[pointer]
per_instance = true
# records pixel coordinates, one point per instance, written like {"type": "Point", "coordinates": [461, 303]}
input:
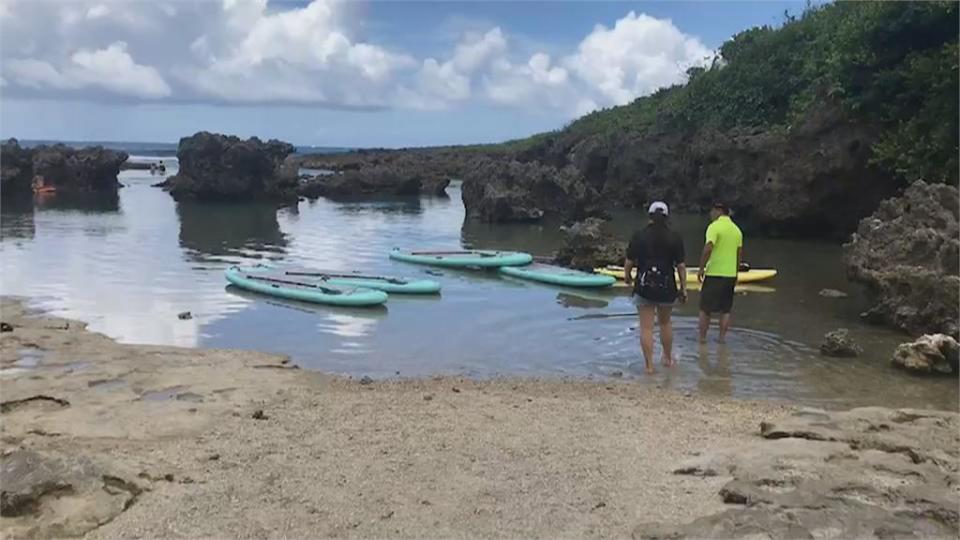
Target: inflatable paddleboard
{"type": "Point", "coordinates": [471, 258]}
{"type": "Point", "coordinates": [558, 275]}
{"type": "Point", "coordinates": [272, 282]}
{"type": "Point", "coordinates": [750, 276]}
{"type": "Point", "coordinates": [388, 284]}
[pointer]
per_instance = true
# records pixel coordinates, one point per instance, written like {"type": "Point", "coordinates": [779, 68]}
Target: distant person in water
{"type": "Point", "coordinates": [161, 167]}
{"type": "Point", "coordinates": [657, 254]}
{"type": "Point", "coordinates": [719, 263]}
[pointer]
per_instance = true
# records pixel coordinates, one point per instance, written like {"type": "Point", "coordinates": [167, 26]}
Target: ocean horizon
{"type": "Point", "coordinates": [157, 149]}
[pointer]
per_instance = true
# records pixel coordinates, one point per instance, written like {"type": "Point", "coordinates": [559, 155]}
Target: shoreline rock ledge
{"type": "Point", "coordinates": [870, 472]}
{"type": "Point", "coordinates": [908, 255]}
{"type": "Point", "coordinates": [225, 167]}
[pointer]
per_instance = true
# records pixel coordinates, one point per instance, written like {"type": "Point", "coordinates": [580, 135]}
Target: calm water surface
{"type": "Point", "coordinates": [128, 265]}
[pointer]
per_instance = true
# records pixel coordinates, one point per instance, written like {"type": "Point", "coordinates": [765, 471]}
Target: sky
{"type": "Point", "coordinates": [344, 73]}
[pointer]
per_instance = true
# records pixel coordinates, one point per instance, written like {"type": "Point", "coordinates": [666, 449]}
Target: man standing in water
{"type": "Point", "coordinates": [719, 264]}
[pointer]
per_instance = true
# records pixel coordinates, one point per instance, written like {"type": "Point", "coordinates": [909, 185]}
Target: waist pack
{"type": "Point", "coordinates": [656, 283]}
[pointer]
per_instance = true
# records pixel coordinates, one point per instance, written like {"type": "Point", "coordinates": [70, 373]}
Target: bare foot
{"type": "Point", "coordinates": [668, 362]}
{"type": "Point", "coordinates": [721, 340]}
{"type": "Point", "coordinates": [650, 370]}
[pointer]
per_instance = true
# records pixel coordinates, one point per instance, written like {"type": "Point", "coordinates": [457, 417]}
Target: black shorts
{"type": "Point", "coordinates": [716, 294]}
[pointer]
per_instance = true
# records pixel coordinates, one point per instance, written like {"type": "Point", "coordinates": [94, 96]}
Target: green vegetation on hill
{"type": "Point", "coordinates": [894, 64]}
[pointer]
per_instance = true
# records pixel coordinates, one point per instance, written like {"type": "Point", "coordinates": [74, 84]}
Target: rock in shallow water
{"type": "Point", "coordinates": [92, 168]}
{"type": "Point", "coordinates": [495, 190]}
{"type": "Point", "coordinates": [833, 293]}
{"type": "Point", "coordinates": [222, 167]}
{"type": "Point", "coordinates": [586, 246]}
{"type": "Point", "coordinates": [930, 354]}
{"type": "Point", "coordinates": [839, 344]}
{"type": "Point", "coordinates": [908, 255]}
{"type": "Point", "coordinates": [377, 180]}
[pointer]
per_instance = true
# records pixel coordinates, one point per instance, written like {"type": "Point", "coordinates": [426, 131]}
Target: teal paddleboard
{"type": "Point", "coordinates": [388, 284]}
{"type": "Point", "coordinates": [269, 281]}
{"type": "Point", "coordinates": [558, 275]}
{"type": "Point", "coordinates": [472, 258]}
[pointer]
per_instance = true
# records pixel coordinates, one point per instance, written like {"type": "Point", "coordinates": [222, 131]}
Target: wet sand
{"type": "Point", "coordinates": [329, 456]}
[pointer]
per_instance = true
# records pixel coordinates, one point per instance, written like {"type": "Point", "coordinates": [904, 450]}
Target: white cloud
{"type": "Point", "coordinates": [443, 81]}
{"type": "Point", "coordinates": [98, 11]}
{"type": "Point", "coordinates": [37, 74]}
{"type": "Point", "coordinates": [475, 52]}
{"type": "Point", "coordinates": [536, 83]}
{"type": "Point", "coordinates": [637, 56]}
{"type": "Point", "coordinates": [69, 16]}
{"type": "Point", "coordinates": [439, 84]}
{"type": "Point", "coordinates": [114, 69]}
{"type": "Point", "coordinates": [300, 55]}
{"type": "Point", "coordinates": [111, 68]}
{"type": "Point", "coordinates": [255, 51]}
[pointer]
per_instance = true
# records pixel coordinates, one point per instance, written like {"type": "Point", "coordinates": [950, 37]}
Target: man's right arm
{"type": "Point", "coordinates": [704, 259]}
{"type": "Point", "coordinates": [711, 239]}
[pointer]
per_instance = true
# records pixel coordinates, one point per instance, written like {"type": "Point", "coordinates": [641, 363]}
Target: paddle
{"type": "Point", "coordinates": [325, 290]}
{"type": "Point", "coordinates": [394, 281]}
{"type": "Point", "coordinates": [480, 253]}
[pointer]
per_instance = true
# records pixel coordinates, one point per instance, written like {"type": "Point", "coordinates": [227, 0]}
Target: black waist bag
{"type": "Point", "coordinates": [657, 284]}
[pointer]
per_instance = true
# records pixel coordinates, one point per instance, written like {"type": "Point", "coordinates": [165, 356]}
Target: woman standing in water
{"type": "Point", "coordinates": [657, 253]}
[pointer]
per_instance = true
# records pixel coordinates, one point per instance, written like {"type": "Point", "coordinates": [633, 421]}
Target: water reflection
{"type": "Point", "coordinates": [212, 232]}
{"type": "Point", "coordinates": [379, 205]}
{"type": "Point", "coordinates": [88, 203]}
{"type": "Point", "coordinates": [16, 219]}
{"type": "Point", "coordinates": [539, 239]}
{"type": "Point", "coordinates": [582, 300]}
{"type": "Point", "coordinates": [716, 378]}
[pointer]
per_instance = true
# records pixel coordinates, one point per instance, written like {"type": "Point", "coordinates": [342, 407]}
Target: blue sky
{"type": "Point", "coordinates": [332, 73]}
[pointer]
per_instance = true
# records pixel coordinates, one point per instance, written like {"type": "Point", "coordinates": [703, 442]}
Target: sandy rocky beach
{"type": "Point", "coordinates": [106, 440]}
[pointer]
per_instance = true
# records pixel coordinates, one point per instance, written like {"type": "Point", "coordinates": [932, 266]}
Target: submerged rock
{"type": "Point", "coordinates": [222, 167]}
{"type": "Point", "coordinates": [907, 254]}
{"type": "Point", "coordinates": [93, 168]}
{"type": "Point", "coordinates": [869, 472]}
{"type": "Point", "coordinates": [586, 246]}
{"type": "Point", "coordinates": [511, 191]}
{"type": "Point", "coordinates": [832, 293]}
{"type": "Point", "coordinates": [930, 354]}
{"type": "Point", "coordinates": [839, 344]}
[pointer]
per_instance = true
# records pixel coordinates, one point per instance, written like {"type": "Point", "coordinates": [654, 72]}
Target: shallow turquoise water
{"type": "Point", "coordinates": [129, 265]}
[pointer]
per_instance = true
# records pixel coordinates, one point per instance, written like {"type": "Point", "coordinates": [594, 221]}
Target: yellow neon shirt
{"type": "Point", "coordinates": [727, 239]}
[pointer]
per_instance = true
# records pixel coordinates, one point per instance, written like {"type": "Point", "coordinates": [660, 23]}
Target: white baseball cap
{"type": "Point", "coordinates": [659, 206]}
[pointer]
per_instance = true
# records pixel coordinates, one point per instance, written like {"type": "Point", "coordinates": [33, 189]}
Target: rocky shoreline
{"type": "Point", "coordinates": [905, 253]}
{"type": "Point", "coordinates": [59, 167]}
{"type": "Point", "coordinates": [109, 440]}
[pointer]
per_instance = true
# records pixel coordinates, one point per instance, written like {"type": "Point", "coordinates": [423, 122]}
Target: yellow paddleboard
{"type": "Point", "coordinates": [694, 285]}
{"type": "Point", "coordinates": [750, 276]}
